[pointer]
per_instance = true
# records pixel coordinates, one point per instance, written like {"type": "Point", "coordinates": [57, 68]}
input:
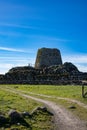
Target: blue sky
{"type": "Point", "coordinates": [26, 25]}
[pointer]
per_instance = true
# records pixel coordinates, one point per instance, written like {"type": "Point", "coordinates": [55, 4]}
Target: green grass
{"type": "Point", "coordinates": [67, 91]}
{"type": "Point", "coordinates": [10, 101]}
{"type": "Point", "coordinates": [13, 101]}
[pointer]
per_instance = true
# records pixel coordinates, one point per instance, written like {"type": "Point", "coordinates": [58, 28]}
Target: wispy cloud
{"type": "Point", "coordinates": [9, 62]}
{"type": "Point", "coordinates": [17, 50]}
{"type": "Point", "coordinates": [11, 49]}
{"type": "Point", "coordinates": [76, 58]}
{"type": "Point", "coordinates": [4, 67]}
{"type": "Point", "coordinates": [38, 38]}
{"type": "Point", "coordinates": [42, 37]}
{"type": "Point", "coordinates": [49, 38]}
{"type": "Point", "coordinates": [8, 8]}
{"type": "Point", "coordinates": [18, 26]}
{"type": "Point", "coordinates": [17, 59]}
{"type": "Point", "coordinates": [11, 34]}
{"type": "Point", "coordinates": [79, 60]}
{"type": "Point", "coordinates": [82, 67]}
{"type": "Point", "coordinates": [55, 39]}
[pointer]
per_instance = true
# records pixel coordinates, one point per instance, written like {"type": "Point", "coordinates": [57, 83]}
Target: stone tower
{"type": "Point", "coordinates": [47, 57]}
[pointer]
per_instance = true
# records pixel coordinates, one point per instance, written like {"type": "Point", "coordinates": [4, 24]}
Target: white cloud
{"type": "Point", "coordinates": [79, 60]}
{"type": "Point", "coordinates": [40, 37]}
{"type": "Point", "coordinates": [4, 67]}
{"type": "Point", "coordinates": [17, 50]}
{"type": "Point", "coordinates": [49, 38]}
{"type": "Point", "coordinates": [11, 49]}
{"type": "Point", "coordinates": [83, 68]}
{"type": "Point", "coordinates": [76, 58]}
{"type": "Point", "coordinates": [10, 62]}
{"type": "Point", "coordinates": [18, 26]}
{"type": "Point", "coordinates": [16, 58]}
{"type": "Point", "coordinates": [7, 62]}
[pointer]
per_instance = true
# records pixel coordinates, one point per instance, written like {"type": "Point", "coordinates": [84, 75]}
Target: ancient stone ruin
{"type": "Point", "coordinates": [48, 70]}
{"type": "Point", "coordinates": [47, 57]}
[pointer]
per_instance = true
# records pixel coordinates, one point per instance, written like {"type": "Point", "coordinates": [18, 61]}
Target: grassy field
{"type": "Point", "coordinates": [9, 101]}
{"type": "Point", "coordinates": [68, 91]}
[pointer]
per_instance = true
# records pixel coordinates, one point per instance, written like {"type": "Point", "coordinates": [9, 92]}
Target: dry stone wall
{"type": "Point", "coordinates": [47, 57]}
{"type": "Point", "coordinates": [48, 70]}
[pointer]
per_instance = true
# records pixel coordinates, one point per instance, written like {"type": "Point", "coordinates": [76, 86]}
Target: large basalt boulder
{"type": "Point", "coordinates": [70, 67]}
{"type": "Point", "coordinates": [15, 117]}
{"type": "Point", "coordinates": [3, 120]}
{"type": "Point", "coordinates": [47, 57]}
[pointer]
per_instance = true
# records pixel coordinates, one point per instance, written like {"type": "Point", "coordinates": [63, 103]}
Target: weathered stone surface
{"type": "Point", "coordinates": [47, 57]}
{"type": "Point", "coordinates": [72, 107]}
{"type": "Point", "coordinates": [15, 116]}
{"type": "Point", "coordinates": [26, 114]}
{"type": "Point", "coordinates": [3, 120]}
{"type": "Point", "coordinates": [70, 67]}
{"type": "Point", "coordinates": [48, 70]}
{"type": "Point", "coordinates": [43, 109]}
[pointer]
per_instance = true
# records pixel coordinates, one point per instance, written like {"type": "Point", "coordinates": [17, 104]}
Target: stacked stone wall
{"type": "Point", "coordinates": [47, 57]}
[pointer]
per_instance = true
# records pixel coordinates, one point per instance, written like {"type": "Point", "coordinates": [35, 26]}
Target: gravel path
{"type": "Point", "coordinates": [64, 120]}
{"type": "Point", "coordinates": [61, 98]}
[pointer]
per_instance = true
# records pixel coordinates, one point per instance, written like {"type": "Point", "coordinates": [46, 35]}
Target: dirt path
{"type": "Point", "coordinates": [61, 98]}
{"type": "Point", "coordinates": [64, 120]}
